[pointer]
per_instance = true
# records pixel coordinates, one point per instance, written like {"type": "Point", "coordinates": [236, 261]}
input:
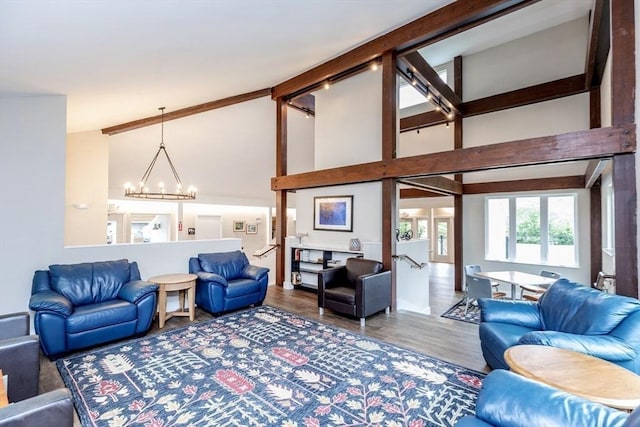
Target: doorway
{"type": "Point", "coordinates": [443, 240]}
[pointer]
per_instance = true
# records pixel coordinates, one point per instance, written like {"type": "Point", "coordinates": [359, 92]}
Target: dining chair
{"type": "Point", "coordinates": [539, 289]}
{"type": "Point", "coordinates": [480, 287]}
{"type": "Point", "coordinates": [471, 270]}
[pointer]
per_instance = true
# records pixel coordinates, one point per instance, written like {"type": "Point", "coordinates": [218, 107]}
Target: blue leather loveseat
{"type": "Point", "coordinates": [226, 281]}
{"type": "Point", "coordinates": [81, 305]}
{"type": "Point", "coordinates": [568, 315]}
{"type": "Point", "coordinates": [508, 399]}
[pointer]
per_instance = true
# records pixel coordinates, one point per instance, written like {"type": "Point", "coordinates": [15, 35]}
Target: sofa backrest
{"type": "Point", "coordinates": [578, 309]}
{"type": "Point", "coordinates": [90, 282]}
{"type": "Point", "coordinates": [227, 264]}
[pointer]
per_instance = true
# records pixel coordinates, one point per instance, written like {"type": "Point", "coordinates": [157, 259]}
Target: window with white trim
{"type": "Point", "coordinates": [532, 229]}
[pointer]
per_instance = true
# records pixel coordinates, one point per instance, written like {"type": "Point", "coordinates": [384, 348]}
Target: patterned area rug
{"type": "Point", "coordinates": [457, 312]}
{"type": "Point", "coordinates": [265, 367]}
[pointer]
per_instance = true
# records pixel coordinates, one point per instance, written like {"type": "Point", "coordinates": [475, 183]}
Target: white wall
{"type": "Point", "coordinates": [541, 57]}
{"type": "Point", "coordinates": [32, 135]}
{"type": "Point", "coordinates": [348, 119]}
{"type": "Point", "coordinates": [367, 214]}
{"type": "Point", "coordinates": [86, 184]}
{"type": "Point", "coordinates": [347, 131]}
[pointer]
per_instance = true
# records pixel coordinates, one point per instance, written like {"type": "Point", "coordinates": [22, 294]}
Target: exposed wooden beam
{"type": "Point", "coordinates": [305, 103]}
{"type": "Point", "coordinates": [517, 98]}
{"type": "Point", "coordinates": [418, 121]}
{"type": "Point", "coordinates": [416, 193]}
{"type": "Point", "coordinates": [599, 43]}
{"type": "Point", "coordinates": [582, 145]}
{"type": "Point", "coordinates": [539, 184]}
{"type": "Point", "coordinates": [593, 172]}
{"type": "Point", "coordinates": [422, 69]}
{"type": "Point", "coordinates": [189, 111]}
{"type": "Point", "coordinates": [436, 184]}
{"type": "Point", "coordinates": [432, 25]}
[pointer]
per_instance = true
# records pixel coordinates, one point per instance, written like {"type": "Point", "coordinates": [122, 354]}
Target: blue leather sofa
{"type": "Point", "coordinates": [226, 281]}
{"type": "Point", "coordinates": [80, 305]}
{"type": "Point", "coordinates": [510, 400]}
{"type": "Point", "coordinates": [568, 315]}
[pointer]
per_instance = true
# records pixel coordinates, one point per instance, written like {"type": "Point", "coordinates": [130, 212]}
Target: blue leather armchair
{"type": "Point", "coordinates": [82, 305]}
{"type": "Point", "coordinates": [568, 315]}
{"type": "Point", "coordinates": [226, 281]}
{"type": "Point", "coordinates": [510, 400]}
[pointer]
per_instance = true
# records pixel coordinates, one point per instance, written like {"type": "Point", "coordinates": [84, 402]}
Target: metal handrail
{"type": "Point", "coordinates": [412, 262]}
{"type": "Point", "coordinates": [260, 253]}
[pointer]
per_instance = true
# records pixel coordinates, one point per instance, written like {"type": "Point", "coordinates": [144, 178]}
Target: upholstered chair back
{"type": "Point", "coordinates": [229, 265]}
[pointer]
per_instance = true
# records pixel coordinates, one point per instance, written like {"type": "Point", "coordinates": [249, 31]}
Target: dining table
{"type": "Point", "coordinates": [516, 278]}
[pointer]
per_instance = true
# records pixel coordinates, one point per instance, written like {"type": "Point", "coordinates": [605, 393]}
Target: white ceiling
{"type": "Point", "coordinates": [119, 60]}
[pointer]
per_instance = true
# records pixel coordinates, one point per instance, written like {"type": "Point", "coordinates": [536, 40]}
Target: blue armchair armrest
{"type": "Point", "coordinates": [522, 313]}
{"type": "Point", "coordinates": [508, 399]}
{"type": "Point", "coordinates": [254, 272]}
{"type": "Point", "coordinates": [136, 289]}
{"type": "Point", "coordinates": [51, 301]}
{"type": "Point", "coordinates": [213, 278]}
{"type": "Point", "coordinates": [605, 347]}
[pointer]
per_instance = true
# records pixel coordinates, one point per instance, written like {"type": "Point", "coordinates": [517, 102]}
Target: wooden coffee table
{"type": "Point", "coordinates": [577, 373]}
{"type": "Point", "coordinates": [183, 283]}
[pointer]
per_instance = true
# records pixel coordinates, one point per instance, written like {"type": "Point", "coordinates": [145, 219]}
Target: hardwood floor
{"type": "Point", "coordinates": [446, 339]}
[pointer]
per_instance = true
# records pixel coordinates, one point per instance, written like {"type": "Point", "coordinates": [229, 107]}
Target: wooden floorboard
{"type": "Point", "coordinates": [446, 339]}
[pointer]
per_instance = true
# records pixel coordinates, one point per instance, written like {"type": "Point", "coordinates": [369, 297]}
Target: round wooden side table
{"type": "Point", "coordinates": [577, 373]}
{"type": "Point", "coordinates": [182, 283]}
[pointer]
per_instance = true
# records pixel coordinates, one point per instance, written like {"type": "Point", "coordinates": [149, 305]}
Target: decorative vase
{"type": "Point", "coordinates": [354, 244]}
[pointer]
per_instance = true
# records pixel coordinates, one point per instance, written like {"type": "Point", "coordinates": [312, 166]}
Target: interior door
{"type": "Point", "coordinates": [208, 227]}
{"type": "Point", "coordinates": [443, 240]}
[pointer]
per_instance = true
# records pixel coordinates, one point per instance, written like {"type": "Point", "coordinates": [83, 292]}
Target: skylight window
{"type": "Point", "coordinates": [409, 96]}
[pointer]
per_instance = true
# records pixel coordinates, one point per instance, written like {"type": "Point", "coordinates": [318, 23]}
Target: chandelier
{"type": "Point", "coordinates": [143, 192]}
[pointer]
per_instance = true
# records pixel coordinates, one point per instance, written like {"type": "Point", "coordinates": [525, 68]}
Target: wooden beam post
{"type": "Point", "coordinates": [623, 80]}
{"type": "Point", "coordinates": [281, 195]}
{"type": "Point", "coordinates": [458, 199]}
{"type": "Point", "coordinates": [389, 147]}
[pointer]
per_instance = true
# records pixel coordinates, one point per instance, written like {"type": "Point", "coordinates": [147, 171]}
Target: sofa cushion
{"type": "Point", "coordinates": [89, 283]}
{"type": "Point", "coordinates": [94, 316]}
{"type": "Point", "coordinates": [227, 264]}
{"type": "Point", "coordinates": [577, 309]}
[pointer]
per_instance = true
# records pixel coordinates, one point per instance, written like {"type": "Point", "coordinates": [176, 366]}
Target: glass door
{"type": "Point", "coordinates": [443, 240]}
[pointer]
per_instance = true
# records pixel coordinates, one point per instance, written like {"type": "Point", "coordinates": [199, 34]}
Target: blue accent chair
{"type": "Point", "coordinates": [81, 305]}
{"type": "Point", "coordinates": [226, 281]}
{"type": "Point", "coordinates": [568, 315]}
{"type": "Point", "coordinates": [510, 400]}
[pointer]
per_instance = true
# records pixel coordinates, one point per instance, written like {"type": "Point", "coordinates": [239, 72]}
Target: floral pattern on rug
{"type": "Point", "coordinates": [457, 312]}
{"type": "Point", "coordinates": [266, 367]}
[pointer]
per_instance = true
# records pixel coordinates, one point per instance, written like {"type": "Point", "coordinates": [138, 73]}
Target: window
{"type": "Point", "coordinates": [409, 95]}
{"type": "Point", "coordinates": [532, 229]}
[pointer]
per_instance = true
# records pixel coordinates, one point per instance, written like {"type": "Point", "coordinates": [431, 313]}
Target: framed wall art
{"type": "Point", "coordinates": [238, 225]}
{"type": "Point", "coordinates": [252, 228]}
{"type": "Point", "coordinates": [333, 213]}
